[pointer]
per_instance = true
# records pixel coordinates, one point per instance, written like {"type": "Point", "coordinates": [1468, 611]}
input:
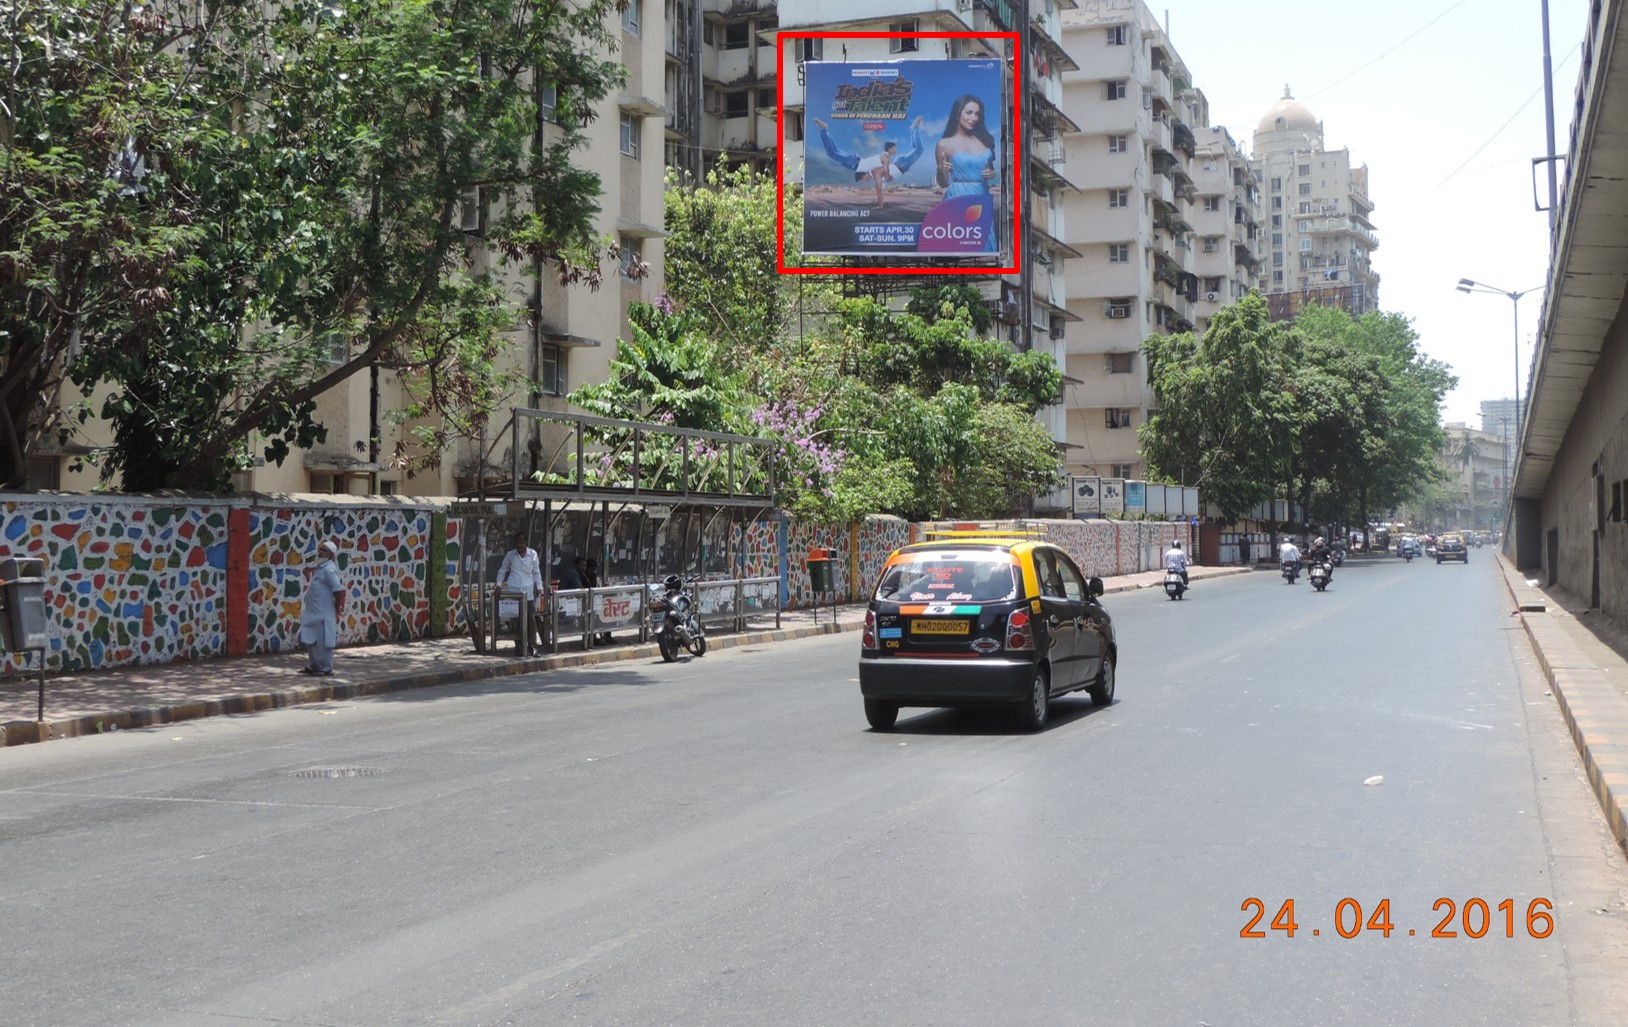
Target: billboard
{"type": "Point", "coordinates": [1087, 495]}
{"type": "Point", "coordinates": [1113, 495]}
{"type": "Point", "coordinates": [904, 157]}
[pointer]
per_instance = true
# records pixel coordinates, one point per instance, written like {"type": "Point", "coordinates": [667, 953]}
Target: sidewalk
{"type": "Point", "coordinates": [132, 697]}
{"type": "Point", "coordinates": [1585, 658]}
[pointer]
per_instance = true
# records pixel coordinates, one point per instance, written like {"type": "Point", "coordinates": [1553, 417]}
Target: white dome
{"type": "Point", "coordinates": [1288, 115]}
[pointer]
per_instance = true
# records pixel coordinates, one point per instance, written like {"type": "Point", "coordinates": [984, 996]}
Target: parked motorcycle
{"type": "Point", "coordinates": [1320, 573]}
{"type": "Point", "coordinates": [679, 631]}
{"type": "Point", "coordinates": [1290, 571]}
{"type": "Point", "coordinates": [1173, 585]}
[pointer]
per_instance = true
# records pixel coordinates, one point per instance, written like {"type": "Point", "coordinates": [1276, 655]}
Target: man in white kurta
{"type": "Point", "coordinates": [319, 613]}
{"type": "Point", "coordinates": [522, 573]}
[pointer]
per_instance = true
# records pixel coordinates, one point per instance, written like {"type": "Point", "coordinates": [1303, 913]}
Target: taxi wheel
{"type": "Point", "coordinates": [1102, 693]}
{"type": "Point", "coordinates": [881, 715]}
{"type": "Point", "coordinates": [1032, 711]}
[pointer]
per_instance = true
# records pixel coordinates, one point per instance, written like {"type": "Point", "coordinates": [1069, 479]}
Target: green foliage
{"type": "Point", "coordinates": [300, 219]}
{"type": "Point", "coordinates": [1347, 408]}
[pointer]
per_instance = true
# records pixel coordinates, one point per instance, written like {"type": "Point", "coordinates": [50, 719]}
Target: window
{"type": "Point", "coordinates": [1212, 285]}
{"type": "Point", "coordinates": [1114, 89]}
{"type": "Point", "coordinates": [1277, 261]}
{"type": "Point", "coordinates": [737, 37]}
{"type": "Point", "coordinates": [1277, 185]}
{"type": "Point", "coordinates": [904, 45]}
{"type": "Point", "coordinates": [1119, 417]}
{"type": "Point", "coordinates": [551, 371]}
{"type": "Point", "coordinates": [1277, 277]}
{"type": "Point", "coordinates": [1212, 203]}
{"type": "Point", "coordinates": [1120, 471]}
{"type": "Point", "coordinates": [548, 97]}
{"type": "Point", "coordinates": [1616, 511]}
{"type": "Point", "coordinates": [1277, 220]}
{"type": "Point", "coordinates": [735, 105]}
{"type": "Point", "coordinates": [1277, 238]}
{"type": "Point", "coordinates": [631, 123]}
{"type": "Point", "coordinates": [630, 259]}
{"type": "Point", "coordinates": [1277, 203]}
{"type": "Point", "coordinates": [630, 18]}
{"type": "Point", "coordinates": [794, 125]}
{"type": "Point", "coordinates": [1305, 188]}
{"type": "Point", "coordinates": [1121, 363]}
{"type": "Point", "coordinates": [1119, 144]}
{"type": "Point", "coordinates": [469, 210]}
{"type": "Point", "coordinates": [1117, 35]}
{"type": "Point", "coordinates": [706, 33]}
{"type": "Point", "coordinates": [1212, 244]}
{"type": "Point", "coordinates": [810, 49]}
{"type": "Point", "coordinates": [1305, 244]}
{"type": "Point", "coordinates": [1119, 198]}
{"type": "Point", "coordinates": [1304, 169]}
{"type": "Point", "coordinates": [765, 99]}
{"type": "Point", "coordinates": [1119, 253]}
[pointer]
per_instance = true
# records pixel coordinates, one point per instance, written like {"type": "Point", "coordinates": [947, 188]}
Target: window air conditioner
{"type": "Point", "coordinates": [963, 5]}
{"type": "Point", "coordinates": [1117, 310]}
{"type": "Point", "coordinates": [1057, 330]}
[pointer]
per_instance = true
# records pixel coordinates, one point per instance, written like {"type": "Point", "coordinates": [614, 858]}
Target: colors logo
{"type": "Point", "coordinates": [965, 224]}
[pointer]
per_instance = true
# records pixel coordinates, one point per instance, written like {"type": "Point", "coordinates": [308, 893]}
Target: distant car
{"type": "Point", "coordinates": [1452, 547]}
{"type": "Point", "coordinates": [997, 621]}
{"type": "Point", "coordinates": [1407, 545]}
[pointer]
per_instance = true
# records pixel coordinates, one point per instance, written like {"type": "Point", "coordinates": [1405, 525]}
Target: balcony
{"type": "Point", "coordinates": [1340, 226]}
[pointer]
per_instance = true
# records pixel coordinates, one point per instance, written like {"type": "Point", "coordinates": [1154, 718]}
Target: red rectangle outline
{"type": "Point", "coordinates": [780, 155]}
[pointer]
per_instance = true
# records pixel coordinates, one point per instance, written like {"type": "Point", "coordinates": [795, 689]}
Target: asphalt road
{"type": "Point", "coordinates": [723, 841]}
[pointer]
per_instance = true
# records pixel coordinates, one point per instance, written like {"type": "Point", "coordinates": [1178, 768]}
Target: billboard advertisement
{"type": "Point", "coordinates": [903, 157]}
{"type": "Point", "coordinates": [1087, 495]}
{"type": "Point", "coordinates": [1113, 495]}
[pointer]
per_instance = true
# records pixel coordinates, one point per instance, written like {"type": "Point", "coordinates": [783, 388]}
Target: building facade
{"type": "Point", "coordinates": [1320, 236]}
{"type": "Point", "coordinates": [1166, 217]}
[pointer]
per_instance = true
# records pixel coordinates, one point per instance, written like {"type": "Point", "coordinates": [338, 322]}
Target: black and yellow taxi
{"type": "Point", "coordinates": [984, 619]}
{"type": "Point", "coordinates": [1452, 546]}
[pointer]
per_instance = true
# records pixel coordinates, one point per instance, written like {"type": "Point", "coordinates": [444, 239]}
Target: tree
{"type": "Point", "coordinates": [311, 170]}
{"type": "Point", "coordinates": [1225, 407]}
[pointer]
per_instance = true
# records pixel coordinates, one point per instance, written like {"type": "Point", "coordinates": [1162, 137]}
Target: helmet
{"type": "Point", "coordinates": [1176, 544]}
{"type": "Point", "coordinates": [673, 583]}
{"type": "Point", "coordinates": [1320, 541]}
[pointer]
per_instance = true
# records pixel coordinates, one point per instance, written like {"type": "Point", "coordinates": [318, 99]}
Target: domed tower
{"type": "Point", "coordinates": [1288, 126]}
{"type": "Point", "coordinates": [1319, 236]}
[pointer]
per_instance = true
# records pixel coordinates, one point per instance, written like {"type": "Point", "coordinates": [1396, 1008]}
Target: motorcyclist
{"type": "Point", "coordinates": [1322, 552]}
{"type": "Point", "coordinates": [1176, 560]}
{"type": "Point", "coordinates": [1289, 553]}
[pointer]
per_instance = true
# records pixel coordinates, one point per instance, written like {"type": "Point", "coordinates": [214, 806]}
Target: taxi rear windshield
{"type": "Point", "coordinates": [948, 577]}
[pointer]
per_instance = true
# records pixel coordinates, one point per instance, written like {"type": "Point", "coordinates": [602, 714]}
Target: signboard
{"type": "Point", "coordinates": [478, 510]}
{"type": "Point", "coordinates": [1113, 495]}
{"type": "Point", "coordinates": [1087, 494]}
{"type": "Point", "coordinates": [1136, 495]}
{"type": "Point", "coordinates": [903, 157]}
{"type": "Point", "coordinates": [617, 607]}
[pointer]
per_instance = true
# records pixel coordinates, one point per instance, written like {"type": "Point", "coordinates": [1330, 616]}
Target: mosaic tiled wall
{"type": "Point", "coordinates": [139, 581]}
{"type": "Point", "coordinates": [126, 583]}
{"type": "Point", "coordinates": [383, 559]}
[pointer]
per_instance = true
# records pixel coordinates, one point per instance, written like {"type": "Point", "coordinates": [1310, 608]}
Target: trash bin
{"type": "Point", "coordinates": [820, 576]}
{"type": "Point", "coordinates": [22, 593]}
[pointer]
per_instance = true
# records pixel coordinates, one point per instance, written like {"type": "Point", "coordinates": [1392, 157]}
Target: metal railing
{"type": "Point", "coordinates": [599, 616]}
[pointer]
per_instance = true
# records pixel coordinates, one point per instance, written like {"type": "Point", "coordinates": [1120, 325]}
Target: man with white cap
{"type": "Point", "coordinates": [319, 613]}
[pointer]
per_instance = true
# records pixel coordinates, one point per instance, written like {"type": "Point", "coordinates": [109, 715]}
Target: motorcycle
{"type": "Point", "coordinates": [1173, 585]}
{"type": "Point", "coordinates": [1339, 557]}
{"type": "Point", "coordinates": [1320, 573]}
{"type": "Point", "coordinates": [679, 630]}
{"type": "Point", "coordinates": [1407, 555]}
{"type": "Point", "coordinates": [1290, 571]}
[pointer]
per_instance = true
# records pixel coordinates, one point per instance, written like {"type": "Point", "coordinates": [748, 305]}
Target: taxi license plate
{"type": "Point", "coordinates": [939, 627]}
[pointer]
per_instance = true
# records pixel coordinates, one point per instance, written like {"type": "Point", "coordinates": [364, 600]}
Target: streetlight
{"type": "Point", "coordinates": [1467, 285]}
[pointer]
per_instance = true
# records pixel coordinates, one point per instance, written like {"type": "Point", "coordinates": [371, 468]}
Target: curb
{"type": "Point", "coordinates": [23, 732]}
{"type": "Point", "coordinates": [1593, 708]}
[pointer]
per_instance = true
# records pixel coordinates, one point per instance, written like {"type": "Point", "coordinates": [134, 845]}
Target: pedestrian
{"type": "Point", "coordinates": [319, 612]}
{"type": "Point", "coordinates": [521, 573]}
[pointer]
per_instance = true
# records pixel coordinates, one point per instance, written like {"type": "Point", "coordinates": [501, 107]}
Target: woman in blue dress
{"type": "Point", "coordinates": [879, 168]}
{"type": "Point", "coordinates": [966, 152]}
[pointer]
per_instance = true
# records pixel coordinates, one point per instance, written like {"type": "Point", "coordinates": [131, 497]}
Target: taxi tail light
{"type": "Point", "coordinates": [867, 640]}
{"type": "Point", "coordinates": [1019, 632]}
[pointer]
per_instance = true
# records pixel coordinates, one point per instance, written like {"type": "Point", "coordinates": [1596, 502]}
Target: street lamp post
{"type": "Point", "coordinates": [1468, 285]}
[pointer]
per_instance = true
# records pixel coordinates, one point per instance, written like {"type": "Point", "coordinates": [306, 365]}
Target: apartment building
{"type": "Point", "coordinates": [565, 336]}
{"type": "Point", "coordinates": [721, 90]}
{"type": "Point", "coordinates": [1031, 308]}
{"type": "Point", "coordinates": [1165, 217]}
{"type": "Point", "coordinates": [1320, 237]}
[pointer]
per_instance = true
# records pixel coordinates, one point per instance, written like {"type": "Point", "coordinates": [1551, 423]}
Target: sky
{"type": "Point", "coordinates": [1443, 101]}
